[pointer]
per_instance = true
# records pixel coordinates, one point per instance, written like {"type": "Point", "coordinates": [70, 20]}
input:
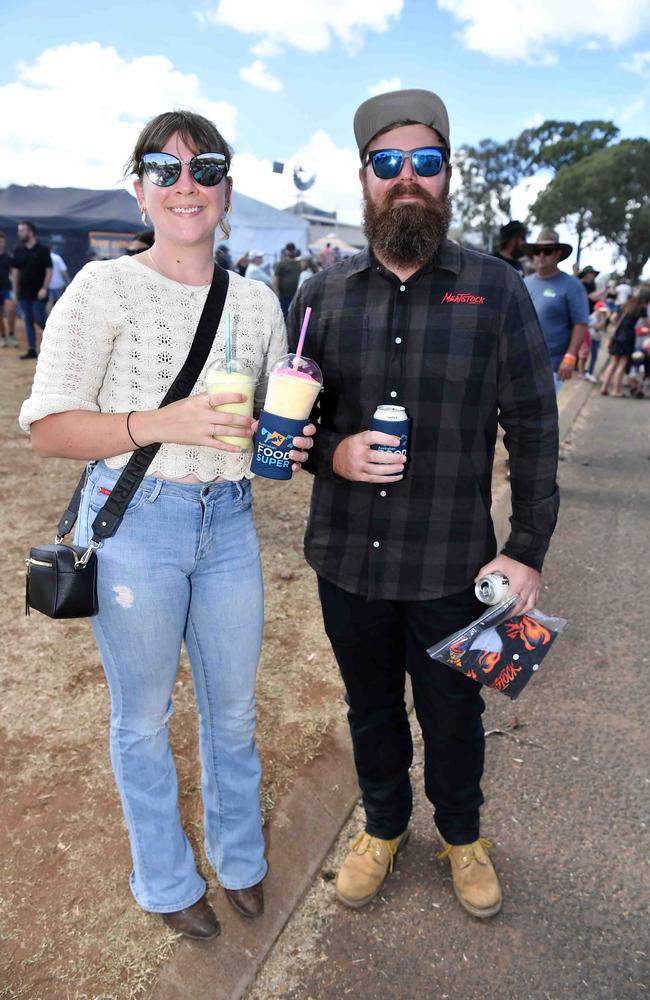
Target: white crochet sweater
{"type": "Point", "coordinates": [120, 334]}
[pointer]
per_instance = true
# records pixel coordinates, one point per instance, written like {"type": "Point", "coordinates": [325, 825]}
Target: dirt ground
{"type": "Point", "coordinates": [71, 930]}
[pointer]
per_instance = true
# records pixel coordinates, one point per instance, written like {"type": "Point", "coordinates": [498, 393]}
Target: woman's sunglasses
{"type": "Point", "coordinates": [164, 169]}
{"type": "Point", "coordinates": [427, 161]}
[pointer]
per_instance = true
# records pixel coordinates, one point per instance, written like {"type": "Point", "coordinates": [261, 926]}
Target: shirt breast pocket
{"type": "Point", "coordinates": [461, 352]}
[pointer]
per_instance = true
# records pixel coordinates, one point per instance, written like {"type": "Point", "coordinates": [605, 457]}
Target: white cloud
{"type": "Point", "coordinates": [258, 75]}
{"type": "Point", "coordinates": [531, 31]}
{"type": "Point", "coordinates": [308, 26]}
{"type": "Point", "coordinates": [534, 120]}
{"type": "Point", "coordinates": [639, 63]}
{"type": "Point", "coordinates": [72, 116]}
{"type": "Point", "coordinates": [266, 49]}
{"type": "Point", "coordinates": [385, 86]}
{"type": "Point", "coordinates": [336, 187]}
{"type": "Point", "coordinates": [592, 46]}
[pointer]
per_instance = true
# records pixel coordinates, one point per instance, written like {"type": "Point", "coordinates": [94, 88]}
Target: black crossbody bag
{"type": "Point", "coordinates": [62, 579]}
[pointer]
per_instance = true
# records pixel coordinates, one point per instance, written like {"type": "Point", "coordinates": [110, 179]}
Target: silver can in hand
{"type": "Point", "coordinates": [492, 589]}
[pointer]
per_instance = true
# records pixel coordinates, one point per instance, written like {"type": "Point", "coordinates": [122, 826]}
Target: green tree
{"type": "Point", "coordinates": [608, 193]}
{"type": "Point", "coordinates": [553, 144]}
{"type": "Point", "coordinates": [487, 176]}
{"type": "Point", "coordinates": [489, 171]}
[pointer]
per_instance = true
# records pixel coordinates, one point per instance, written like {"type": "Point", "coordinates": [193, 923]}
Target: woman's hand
{"type": "Point", "coordinates": [194, 421]}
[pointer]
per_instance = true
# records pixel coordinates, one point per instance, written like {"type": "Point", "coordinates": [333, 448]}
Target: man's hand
{"type": "Point", "coordinates": [42, 294]}
{"type": "Point", "coordinates": [565, 371]}
{"type": "Point", "coordinates": [523, 581]}
{"type": "Point", "coordinates": [354, 459]}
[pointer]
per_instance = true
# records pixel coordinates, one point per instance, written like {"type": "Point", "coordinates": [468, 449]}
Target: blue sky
{"type": "Point", "coordinates": [282, 79]}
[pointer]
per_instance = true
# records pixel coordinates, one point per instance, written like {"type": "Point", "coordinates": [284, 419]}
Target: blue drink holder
{"type": "Point", "coordinates": [272, 444]}
{"type": "Point", "coordinates": [398, 428]}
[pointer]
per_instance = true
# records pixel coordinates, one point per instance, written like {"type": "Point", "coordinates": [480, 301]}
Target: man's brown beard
{"type": "Point", "coordinates": [408, 233]}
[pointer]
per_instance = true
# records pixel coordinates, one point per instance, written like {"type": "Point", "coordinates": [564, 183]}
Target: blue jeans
{"type": "Point", "coordinates": [595, 348]}
{"type": "Point", "coordinates": [183, 565]}
{"type": "Point", "coordinates": [33, 311]}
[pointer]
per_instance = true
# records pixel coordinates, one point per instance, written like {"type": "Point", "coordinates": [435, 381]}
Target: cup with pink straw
{"type": "Point", "coordinates": [294, 384]}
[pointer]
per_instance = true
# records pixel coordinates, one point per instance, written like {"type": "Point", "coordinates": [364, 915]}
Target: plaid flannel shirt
{"type": "Point", "coordinates": [459, 346]}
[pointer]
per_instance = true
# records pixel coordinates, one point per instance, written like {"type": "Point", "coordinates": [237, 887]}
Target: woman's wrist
{"type": "Point", "coordinates": [141, 428]}
{"type": "Point", "coordinates": [569, 359]}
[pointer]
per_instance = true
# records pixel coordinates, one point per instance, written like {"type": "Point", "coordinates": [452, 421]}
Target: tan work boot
{"type": "Point", "coordinates": [365, 868]}
{"type": "Point", "coordinates": [475, 881]}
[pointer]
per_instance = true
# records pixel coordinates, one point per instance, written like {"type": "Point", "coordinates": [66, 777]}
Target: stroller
{"type": "Point", "coordinates": [638, 377]}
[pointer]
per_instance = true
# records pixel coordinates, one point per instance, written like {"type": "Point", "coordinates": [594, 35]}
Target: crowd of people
{"type": "Point", "coordinates": [578, 316]}
{"type": "Point", "coordinates": [452, 337]}
{"type": "Point", "coordinates": [32, 279]}
{"type": "Point", "coordinates": [290, 271]}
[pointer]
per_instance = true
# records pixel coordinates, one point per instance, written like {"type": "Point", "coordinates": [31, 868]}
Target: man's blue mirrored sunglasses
{"type": "Point", "coordinates": [426, 161]}
{"type": "Point", "coordinates": [164, 169]}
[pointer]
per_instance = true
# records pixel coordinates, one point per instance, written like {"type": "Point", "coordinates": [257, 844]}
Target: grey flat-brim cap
{"type": "Point", "coordinates": [421, 107]}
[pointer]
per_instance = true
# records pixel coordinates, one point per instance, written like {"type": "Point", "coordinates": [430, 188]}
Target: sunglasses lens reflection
{"type": "Point", "coordinates": [162, 169]}
{"type": "Point", "coordinates": [208, 168]}
{"type": "Point", "coordinates": [427, 162]}
{"type": "Point", "coordinates": [387, 163]}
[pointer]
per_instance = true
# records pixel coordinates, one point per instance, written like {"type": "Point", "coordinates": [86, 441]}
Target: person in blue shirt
{"type": "Point", "coordinates": [560, 302]}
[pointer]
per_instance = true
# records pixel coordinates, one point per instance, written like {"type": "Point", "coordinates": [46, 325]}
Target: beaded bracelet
{"type": "Point", "coordinates": [128, 429]}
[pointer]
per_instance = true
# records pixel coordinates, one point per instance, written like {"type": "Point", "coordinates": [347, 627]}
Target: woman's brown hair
{"type": "Point", "coordinates": [196, 132]}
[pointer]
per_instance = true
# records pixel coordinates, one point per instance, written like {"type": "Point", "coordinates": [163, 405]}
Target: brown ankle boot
{"type": "Point", "coordinates": [248, 902]}
{"type": "Point", "coordinates": [198, 921]}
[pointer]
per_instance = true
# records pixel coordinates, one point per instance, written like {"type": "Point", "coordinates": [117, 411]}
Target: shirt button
{"type": "Point", "coordinates": [375, 545]}
{"type": "Point", "coordinates": [398, 340]}
{"type": "Point", "coordinates": [393, 394]}
{"type": "Point", "coordinates": [382, 493]}
{"type": "Point", "coordinates": [402, 288]}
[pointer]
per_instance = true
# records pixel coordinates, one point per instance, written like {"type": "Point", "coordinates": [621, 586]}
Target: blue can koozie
{"type": "Point", "coordinates": [272, 444]}
{"type": "Point", "coordinates": [393, 420]}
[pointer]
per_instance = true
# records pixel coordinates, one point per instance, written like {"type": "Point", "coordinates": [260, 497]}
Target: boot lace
{"type": "Point", "coordinates": [363, 842]}
{"type": "Point", "coordinates": [470, 849]}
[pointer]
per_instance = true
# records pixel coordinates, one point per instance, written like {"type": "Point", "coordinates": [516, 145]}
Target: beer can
{"type": "Point", "coordinates": [391, 419]}
{"type": "Point", "coordinates": [492, 589]}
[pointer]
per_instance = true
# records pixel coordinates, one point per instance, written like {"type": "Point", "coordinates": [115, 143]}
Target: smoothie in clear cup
{"type": "Point", "coordinates": [294, 384]}
{"type": "Point", "coordinates": [238, 379]}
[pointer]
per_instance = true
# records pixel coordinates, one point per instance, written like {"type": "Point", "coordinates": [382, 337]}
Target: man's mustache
{"type": "Point", "coordinates": [412, 190]}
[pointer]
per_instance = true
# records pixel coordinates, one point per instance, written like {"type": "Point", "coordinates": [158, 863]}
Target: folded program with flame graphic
{"type": "Point", "coordinates": [499, 651]}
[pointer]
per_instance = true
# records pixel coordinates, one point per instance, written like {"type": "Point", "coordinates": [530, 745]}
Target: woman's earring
{"type": "Point", "coordinates": [143, 214]}
{"type": "Point", "coordinates": [224, 225]}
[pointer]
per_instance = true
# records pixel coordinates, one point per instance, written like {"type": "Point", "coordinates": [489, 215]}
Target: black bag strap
{"type": "Point", "coordinates": [109, 517]}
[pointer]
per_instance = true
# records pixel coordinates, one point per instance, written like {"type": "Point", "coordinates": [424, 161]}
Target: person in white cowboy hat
{"type": "Point", "coordinates": [560, 301]}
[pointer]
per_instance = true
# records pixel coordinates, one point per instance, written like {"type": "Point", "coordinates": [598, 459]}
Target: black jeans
{"type": "Point", "coordinates": [375, 643]}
